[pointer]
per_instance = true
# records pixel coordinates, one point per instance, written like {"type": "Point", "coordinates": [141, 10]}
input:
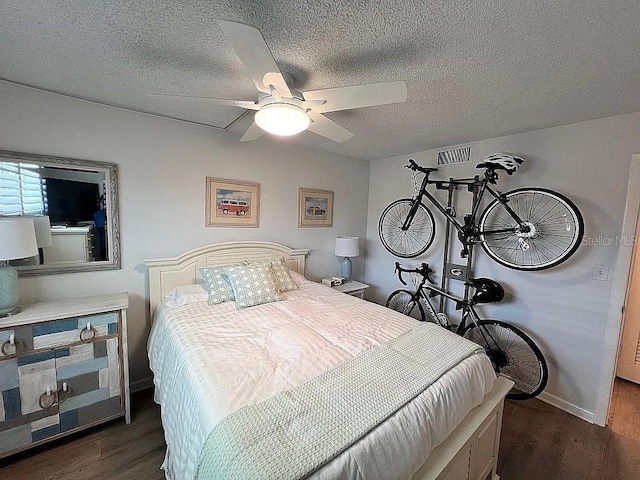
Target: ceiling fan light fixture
{"type": "Point", "coordinates": [282, 119]}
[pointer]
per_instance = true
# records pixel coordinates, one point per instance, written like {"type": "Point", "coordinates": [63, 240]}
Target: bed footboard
{"type": "Point", "coordinates": [471, 451]}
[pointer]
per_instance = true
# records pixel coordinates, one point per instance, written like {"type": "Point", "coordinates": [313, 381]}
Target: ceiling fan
{"type": "Point", "coordinates": [280, 109]}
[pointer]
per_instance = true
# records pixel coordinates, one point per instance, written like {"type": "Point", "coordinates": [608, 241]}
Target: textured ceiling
{"type": "Point", "coordinates": [474, 69]}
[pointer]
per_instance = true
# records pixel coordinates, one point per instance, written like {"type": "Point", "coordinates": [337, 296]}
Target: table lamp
{"type": "Point", "coordinates": [347, 247]}
{"type": "Point", "coordinates": [17, 240]}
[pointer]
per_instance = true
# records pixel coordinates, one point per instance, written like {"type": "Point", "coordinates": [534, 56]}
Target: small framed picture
{"type": "Point", "coordinates": [315, 208]}
{"type": "Point", "coordinates": [232, 203]}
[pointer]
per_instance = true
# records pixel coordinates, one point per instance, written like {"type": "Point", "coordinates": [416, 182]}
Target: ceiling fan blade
{"type": "Point", "coordinates": [358, 96]}
{"type": "Point", "coordinates": [252, 50]}
{"type": "Point", "coordinates": [254, 132]}
{"type": "Point", "coordinates": [249, 105]}
{"type": "Point", "coordinates": [312, 104]}
{"type": "Point", "coordinates": [321, 125]}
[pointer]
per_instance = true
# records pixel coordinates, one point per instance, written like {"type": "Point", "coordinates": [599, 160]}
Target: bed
{"type": "Point", "coordinates": [209, 363]}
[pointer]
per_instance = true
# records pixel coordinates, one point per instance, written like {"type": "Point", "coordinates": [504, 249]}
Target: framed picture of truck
{"type": "Point", "coordinates": [315, 207]}
{"type": "Point", "coordinates": [232, 203]}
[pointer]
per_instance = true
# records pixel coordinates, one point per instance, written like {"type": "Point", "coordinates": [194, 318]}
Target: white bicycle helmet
{"type": "Point", "coordinates": [502, 161]}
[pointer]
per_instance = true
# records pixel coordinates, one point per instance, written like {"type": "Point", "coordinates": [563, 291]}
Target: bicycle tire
{"type": "Point", "coordinates": [557, 229]}
{"type": "Point", "coordinates": [402, 301]}
{"type": "Point", "coordinates": [514, 355]}
{"type": "Point", "coordinates": [411, 242]}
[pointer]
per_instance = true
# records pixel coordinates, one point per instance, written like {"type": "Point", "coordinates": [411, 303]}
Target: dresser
{"type": "Point", "coordinates": [70, 244]}
{"type": "Point", "coordinates": [63, 368]}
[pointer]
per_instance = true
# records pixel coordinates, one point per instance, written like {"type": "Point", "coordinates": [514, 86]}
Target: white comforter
{"type": "Point", "coordinates": [209, 361]}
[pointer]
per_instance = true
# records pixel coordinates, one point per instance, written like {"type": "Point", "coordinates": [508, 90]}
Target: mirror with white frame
{"type": "Point", "coordinates": [75, 208]}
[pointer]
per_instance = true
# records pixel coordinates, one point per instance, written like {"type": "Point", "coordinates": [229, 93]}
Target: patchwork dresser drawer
{"type": "Point", "coordinates": [64, 374]}
{"type": "Point", "coordinates": [29, 338]}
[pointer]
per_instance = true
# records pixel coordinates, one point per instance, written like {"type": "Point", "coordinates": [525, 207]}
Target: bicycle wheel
{"type": "Point", "coordinates": [552, 232]}
{"type": "Point", "coordinates": [513, 354]}
{"type": "Point", "coordinates": [402, 301]}
{"type": "Point", "coordinates": [410, 242]}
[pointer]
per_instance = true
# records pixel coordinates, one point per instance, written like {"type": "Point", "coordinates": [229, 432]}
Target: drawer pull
{"type": "Point", "coordinates": [12, 344]}
{"type": "Point", "coordinates": [48, 399]}
{"type": "Point", "coordinates": [64, 393]}
{"type": "Point", "coordinates": [88, 333]}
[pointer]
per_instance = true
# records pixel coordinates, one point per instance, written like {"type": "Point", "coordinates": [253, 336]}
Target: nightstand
{"type": "Point", "coordinates": [353, 288]}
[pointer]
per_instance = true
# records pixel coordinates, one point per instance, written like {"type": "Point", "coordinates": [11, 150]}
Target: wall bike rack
{"type": "Point", "coordinates": [452, 270]}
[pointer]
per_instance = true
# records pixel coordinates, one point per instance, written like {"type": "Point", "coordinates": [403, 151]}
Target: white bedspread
{"type": "Point", "coordinates": [208, 361]}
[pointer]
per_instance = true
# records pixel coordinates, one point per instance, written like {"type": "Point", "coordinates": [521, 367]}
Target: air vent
{"type": "Point", "coordinates": [454, 155]}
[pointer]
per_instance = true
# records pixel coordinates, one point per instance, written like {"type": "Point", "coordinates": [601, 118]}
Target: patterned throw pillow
{"type": "Point", "coordinates": [282, 276]}
{"type": "Point", "coordinates": [219, 288]}
{"type": "Point", "coordinates": [252, 285]}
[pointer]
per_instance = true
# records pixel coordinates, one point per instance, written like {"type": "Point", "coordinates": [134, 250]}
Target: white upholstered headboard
{"type": "Point", "coordinates": [165, 274]}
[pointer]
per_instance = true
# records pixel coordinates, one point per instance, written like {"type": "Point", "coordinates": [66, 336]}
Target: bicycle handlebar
{"type": "Point", "coordinates": [414, 166]}
{"type": "Point", "coordinates": [422, 270]}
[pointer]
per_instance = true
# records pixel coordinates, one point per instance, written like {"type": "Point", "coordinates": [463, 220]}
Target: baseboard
{"type": "Point", "coordinates": [142, 384]}
{"type": "Point", "coordinates": [557, 402]}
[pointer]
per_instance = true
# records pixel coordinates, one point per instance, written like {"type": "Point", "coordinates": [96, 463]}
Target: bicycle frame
{"type": "Point", "coordinates": [468, 230]}
{"type": "Point", "coordinates": [465, 306]}
{"type": "Point", "coordinates": [468, 310]}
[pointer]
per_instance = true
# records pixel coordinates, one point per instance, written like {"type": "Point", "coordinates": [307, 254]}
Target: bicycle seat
{"type": "Point", "coordinates": [501, 161]}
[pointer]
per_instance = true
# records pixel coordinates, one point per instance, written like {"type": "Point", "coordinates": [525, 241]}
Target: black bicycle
{"type": "Point", "coordinates": [525, 229]}
{"type": "Point", "coordinates": [510, 350]}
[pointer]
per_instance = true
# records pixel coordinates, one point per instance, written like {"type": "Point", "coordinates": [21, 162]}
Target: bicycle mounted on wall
{"type": "Point", "coordinates": [524, 229]}
{"type": "Point", "coordinates": [511, 351]}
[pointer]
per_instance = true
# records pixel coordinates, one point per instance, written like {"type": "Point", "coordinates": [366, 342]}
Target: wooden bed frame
{"type": "Point", "coordinates": [469, 453]}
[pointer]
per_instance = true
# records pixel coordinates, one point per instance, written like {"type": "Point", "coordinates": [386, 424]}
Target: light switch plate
{"type": "Point", "coordinates": [601, 273]}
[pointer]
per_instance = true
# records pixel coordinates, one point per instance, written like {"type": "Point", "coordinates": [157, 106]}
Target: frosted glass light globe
{"type": "Point", "coordinates": [282, 119]}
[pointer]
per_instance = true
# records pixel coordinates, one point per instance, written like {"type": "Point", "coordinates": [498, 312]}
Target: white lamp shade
{"type": "Point", "coordinates": [17, 238]}
{"type": "Point", "coordinates": [43, 231]}
{"type": "Point", "coordinates": [347, 246]}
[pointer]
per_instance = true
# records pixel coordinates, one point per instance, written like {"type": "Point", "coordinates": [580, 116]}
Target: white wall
{"type": "Point", "coordinates": [563, 309]}
{"type": "Point", "coordinates": [162, 165]}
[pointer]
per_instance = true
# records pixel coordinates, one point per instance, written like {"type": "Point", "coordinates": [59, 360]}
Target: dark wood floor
{"type": "Point", "coordinates": [114, 451]}
{"type": "Point", "coordinates": [539, 442]}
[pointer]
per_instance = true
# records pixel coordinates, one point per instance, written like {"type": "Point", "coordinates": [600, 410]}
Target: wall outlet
{"type": "Point", "coordinates": [601, 273]}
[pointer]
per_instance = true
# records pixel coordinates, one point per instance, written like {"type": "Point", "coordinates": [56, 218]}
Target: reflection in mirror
{"type": "Point", "coordinates": [74, 205]}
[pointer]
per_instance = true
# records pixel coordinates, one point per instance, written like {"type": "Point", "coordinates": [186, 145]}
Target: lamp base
{"type": "Point", "coordinates": [12, 312]}
{"type": "Point", "coordinates": [8, 290]}
{"type": "Point", "coordinates": [345, 269]}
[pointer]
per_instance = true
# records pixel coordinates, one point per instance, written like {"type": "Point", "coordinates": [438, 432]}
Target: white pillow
{"type": "Point", "coordinates": [181, 296]}
{"type": "Point", "coordinates": [299, 279]}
